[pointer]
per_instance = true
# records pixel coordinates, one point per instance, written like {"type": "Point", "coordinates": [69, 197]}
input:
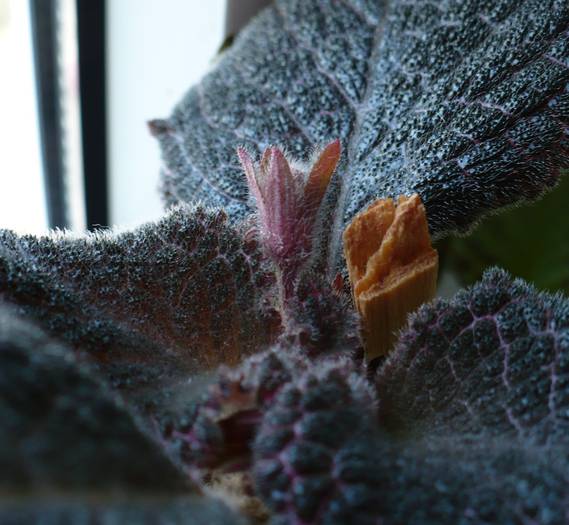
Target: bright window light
{"type": "Point", "coordinates": [22, 201]}
{"type": "Point", "coordinates": [156, 50]}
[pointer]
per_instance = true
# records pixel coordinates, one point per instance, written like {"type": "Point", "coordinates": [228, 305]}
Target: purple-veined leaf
{"type": "Point", "coordinates": [151, 306]}
{"type": "Point", "coordinates": [315, 449]}
{"type": "Point", "coordinates": [476, 399]}
{"type": "Point", "coordinates": [465, 102]}
{"type": "Point", "coordinates": [468, 423]}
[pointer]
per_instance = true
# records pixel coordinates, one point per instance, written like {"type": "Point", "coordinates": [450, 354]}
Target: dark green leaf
{"type": "Point", "coordinates": [150, 306]}
{"type": "Point", "coordinates": [476, 399]}
{"type": "Point", "coordinates": [464, 101]}
{"type": "Point", "coordinates": [70, 450]}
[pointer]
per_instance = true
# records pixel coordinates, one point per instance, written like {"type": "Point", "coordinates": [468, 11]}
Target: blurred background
{"type": "Point", "coordinates": [80, 79]}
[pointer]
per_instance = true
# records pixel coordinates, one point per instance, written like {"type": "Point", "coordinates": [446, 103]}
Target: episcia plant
{"type": "Point", "coordinates": [210, 367]}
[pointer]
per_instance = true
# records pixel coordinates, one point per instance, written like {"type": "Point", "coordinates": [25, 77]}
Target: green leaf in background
{"type": "Point", "coordinates": [531, 242]}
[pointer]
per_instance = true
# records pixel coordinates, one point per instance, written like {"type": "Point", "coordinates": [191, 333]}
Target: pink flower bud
{"type": "Point", "coordinates": [288, 195]}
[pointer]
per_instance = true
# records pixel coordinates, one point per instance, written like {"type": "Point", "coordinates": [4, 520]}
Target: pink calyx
{"type": "Point", "coordinates": [288, 196]}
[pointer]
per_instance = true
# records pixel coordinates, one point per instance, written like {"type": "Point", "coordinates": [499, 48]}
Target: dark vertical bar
{"type": "Point", "coordinates": [44, 41]}
{"type": "Point", "coordinates": [91, 33]}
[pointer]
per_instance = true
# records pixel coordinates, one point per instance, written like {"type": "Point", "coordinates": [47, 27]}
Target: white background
{"type": "Point", "coordinates": [22, 202]}
{"type": "Point", "coordinates": [157, 50]}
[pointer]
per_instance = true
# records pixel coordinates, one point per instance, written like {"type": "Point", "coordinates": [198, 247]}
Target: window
{"type": "Point", "coordinates": [22, 202]}
{"type": "Point", "coordinates": [80, 78]}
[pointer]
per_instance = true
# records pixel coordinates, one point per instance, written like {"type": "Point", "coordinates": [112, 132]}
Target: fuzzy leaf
{"type": "Point", "coordinates": [70, 451]}
{"type": "Point", "coordinates": [530, 242]}
{"type": "Point", "coordinates": [217, 430]}
{"type": "Point", "coordinates": [315, 446]}
{"type": "Point", "coordinates": [152, 305]}
{"type": "Point", "coordinates": [472, 425]}
{"type": "Point", "coordinates": [465, 102]}
{"type": "Point", "coordinates": [476, 396]}
{"type": "Point", "coordinates": [189, 510]}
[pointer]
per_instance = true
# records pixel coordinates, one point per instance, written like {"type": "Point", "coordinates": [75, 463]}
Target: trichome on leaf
{"type": "Point", "coordinates": [288, 196]}
{"type": "Point", "coordinates": [465, 103]}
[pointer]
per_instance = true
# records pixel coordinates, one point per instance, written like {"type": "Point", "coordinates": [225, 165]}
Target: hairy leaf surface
{"type": "Point", "coordinates": [464, 101]}
{"type": "Point", "coordinates": [476, 398]}
{"type": "Point", "coordinates": [473, 423]}
{"type": "Point", "coordinates": [70, 451]}
{"type": "Point", "coordinates": [530, 242]}
{"type": "Point", "coordinates": [152, 305]}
